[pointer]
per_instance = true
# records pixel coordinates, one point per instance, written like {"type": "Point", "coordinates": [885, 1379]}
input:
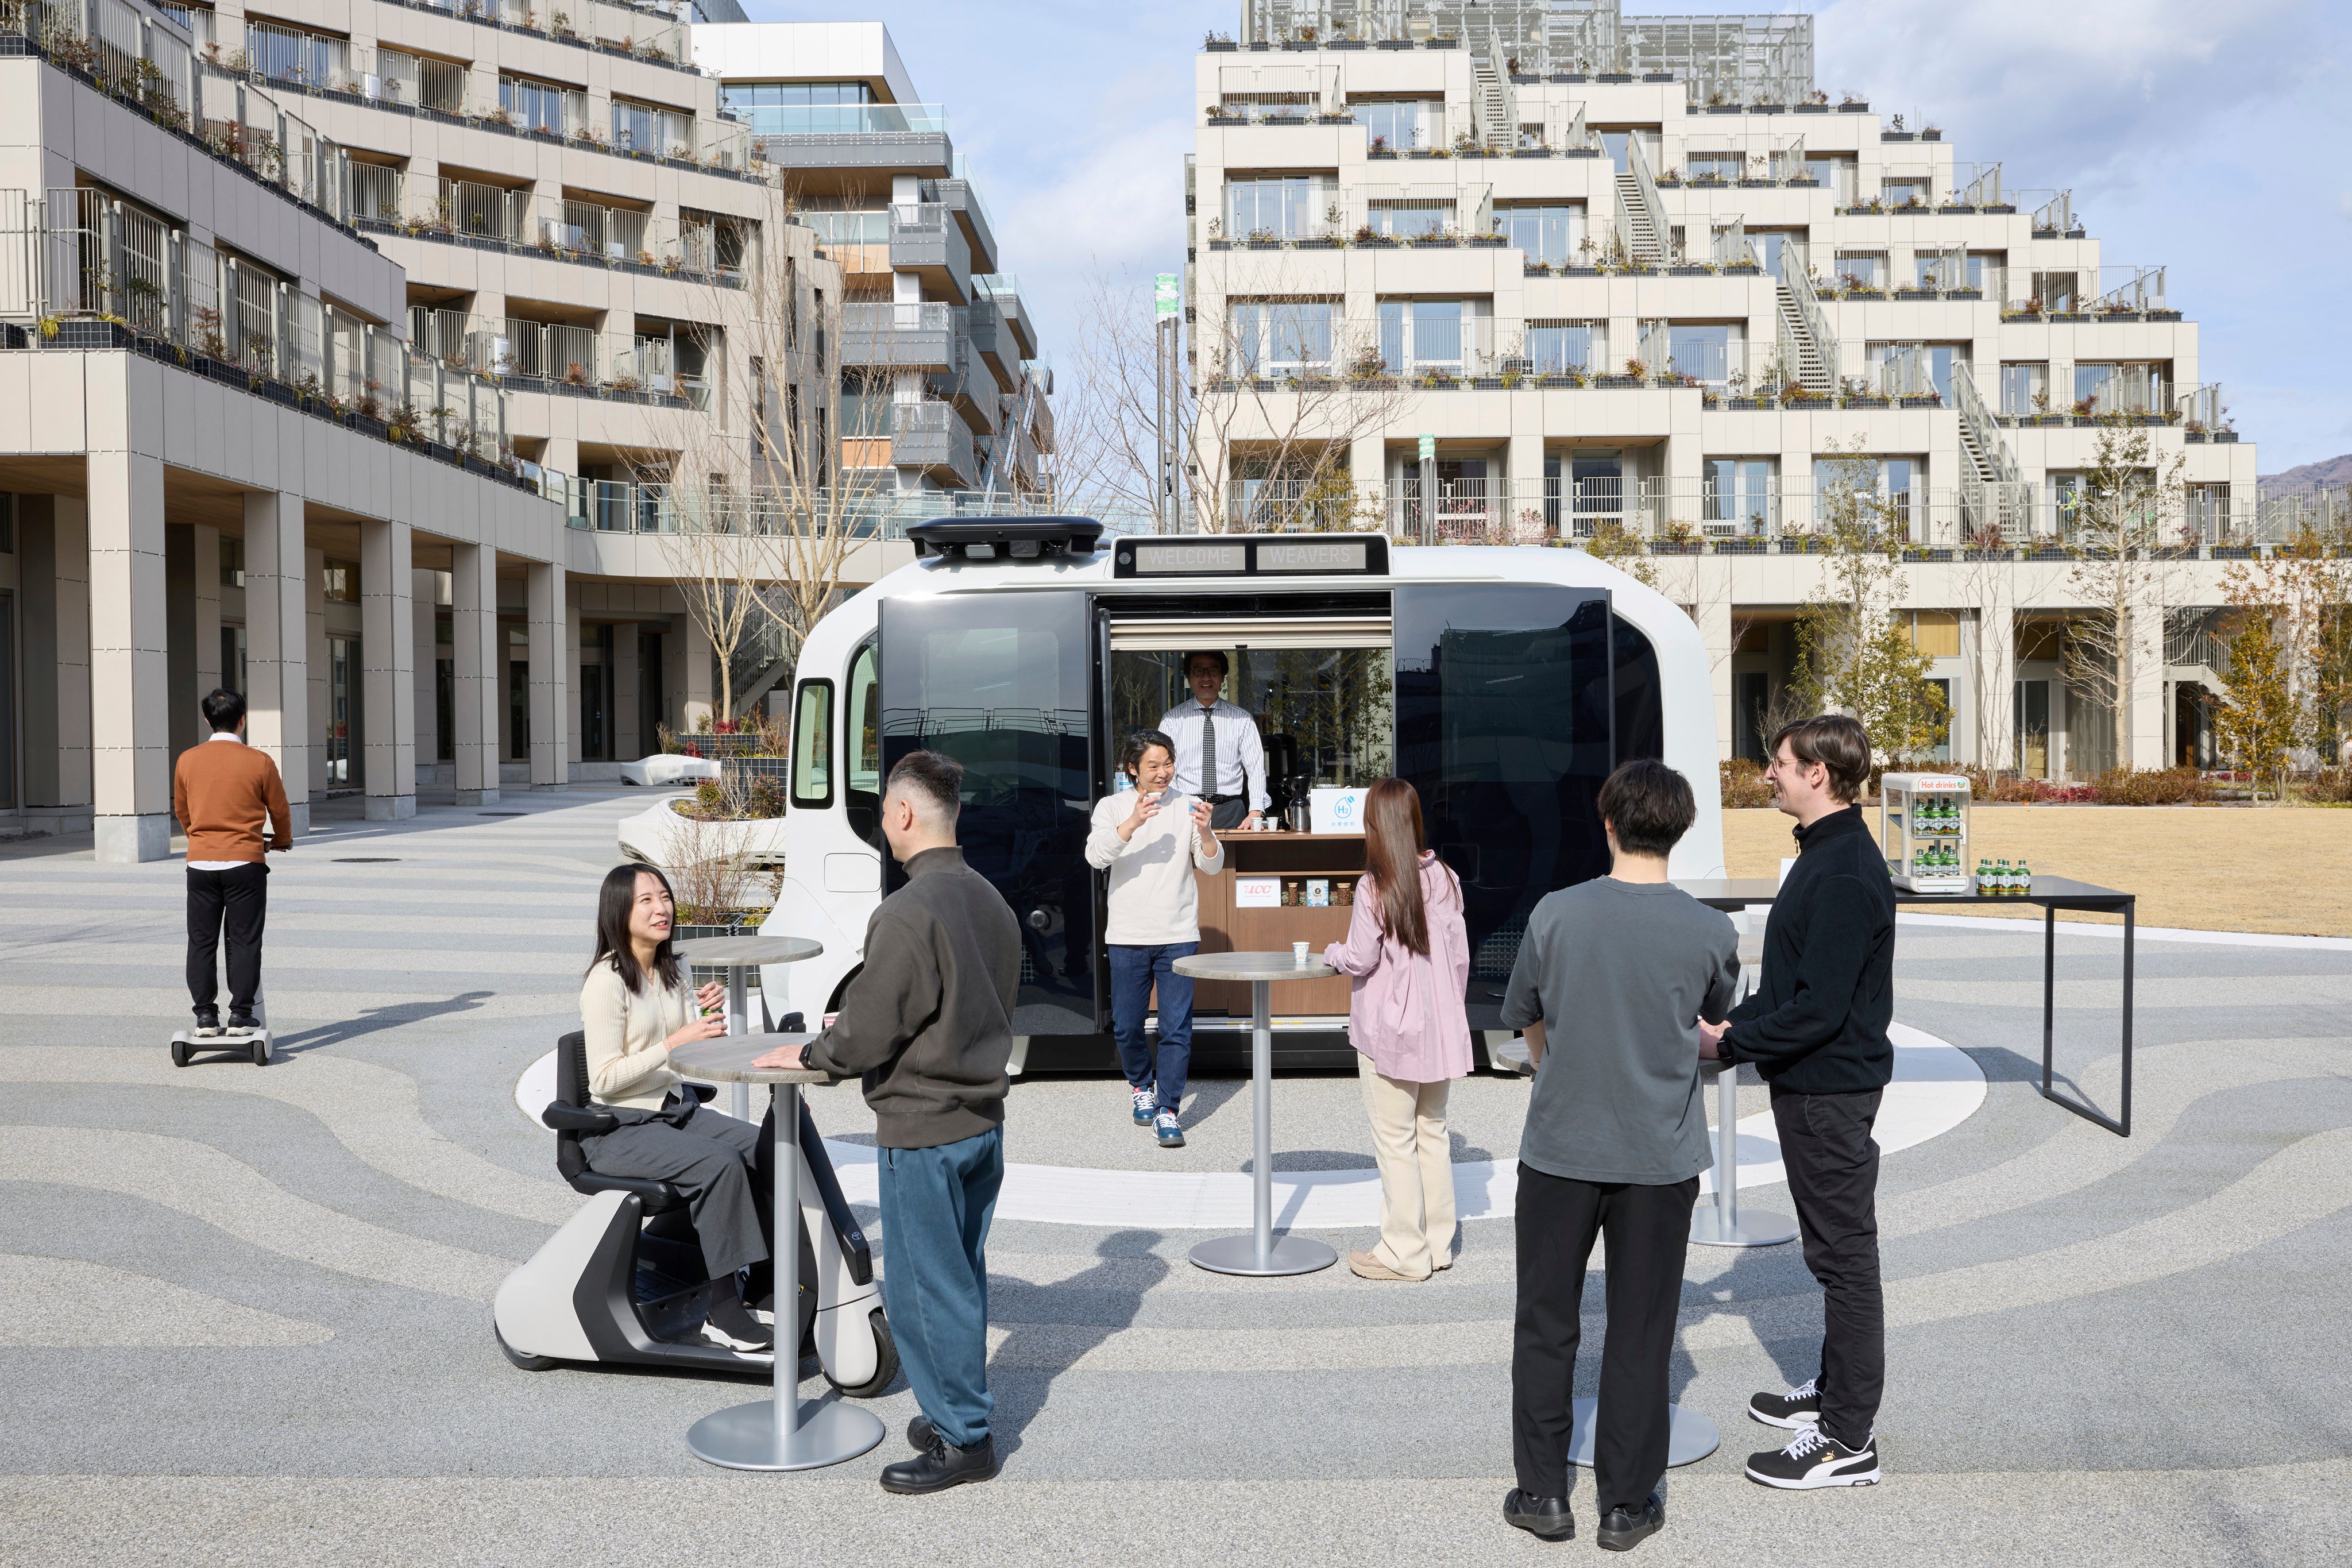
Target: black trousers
{"type": "Point", "coordinates": [1228, 814]}
{"type": "Point", "coordinates": [1648, 1230]}
{"type": "Point", "coordinates": [238, 897]}
{"type": "Point", "coordinates": [1832, 1167]}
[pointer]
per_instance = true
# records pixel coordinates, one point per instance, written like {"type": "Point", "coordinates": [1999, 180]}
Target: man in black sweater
{"type": "Point", "coordinates": [929, 1023]}
{"type": "Point", "coordinates": [1816, 1030]}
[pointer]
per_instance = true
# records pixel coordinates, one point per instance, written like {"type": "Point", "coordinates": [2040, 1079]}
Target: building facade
{"type": "Point", "coordinates": [371, 358]}
{"type": "Point", "coordinates": [1546, 272]}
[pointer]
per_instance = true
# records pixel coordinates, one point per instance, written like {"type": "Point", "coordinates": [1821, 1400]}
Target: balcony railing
{"type": "Point", "coordinates": [876, 513]}
{"type": "Point", "coordinates": [78, 259]}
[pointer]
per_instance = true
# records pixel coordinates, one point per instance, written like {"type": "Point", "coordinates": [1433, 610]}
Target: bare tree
{"type": "Point", "coordinates": [770, 496]}
{"type": "Point", "coordinates": [2126, 535]}
{"type": "Point", "coordinates": [1288, 397]}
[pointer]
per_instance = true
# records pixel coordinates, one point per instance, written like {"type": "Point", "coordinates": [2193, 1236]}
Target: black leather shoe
{"type": "Point", "coordinates": [1545, 1518]}
{"type": "Point", "coordinates": [919, 1433]}
{"type": "Point", "coordinates": [1623, 1528]}
{"type": "Point", "coordinates": [941, 1465]}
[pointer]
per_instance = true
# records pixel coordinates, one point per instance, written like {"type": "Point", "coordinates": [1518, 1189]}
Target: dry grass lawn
{"type": "Point", "coordinates": [2268, 869]}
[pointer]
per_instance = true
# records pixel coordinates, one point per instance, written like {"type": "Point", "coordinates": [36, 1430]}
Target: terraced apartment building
{"type": "Point", "coordinates": [1552, 272]}
{"type": "Point", "coordinates": [371, 357]}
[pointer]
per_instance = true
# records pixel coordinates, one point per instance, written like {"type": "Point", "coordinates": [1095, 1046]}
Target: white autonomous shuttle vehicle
{"type": "Point", "coordinates": [1503, 683]}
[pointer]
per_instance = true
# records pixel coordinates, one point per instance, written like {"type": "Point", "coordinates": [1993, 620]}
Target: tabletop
{"type": "Point", "coordinates": [1253, 967]}
{"type": "Point", "coordinates": [728, 1060]}
{"type": "Point", "coordinates": [723, 951]}
{"type": "Point", "coordinates": [1735, 892]}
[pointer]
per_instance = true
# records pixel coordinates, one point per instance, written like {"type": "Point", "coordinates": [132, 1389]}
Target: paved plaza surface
{"type": "Point", "coordinates": [245, 1313]}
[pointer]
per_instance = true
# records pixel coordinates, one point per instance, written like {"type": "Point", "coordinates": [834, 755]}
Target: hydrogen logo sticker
{"type": "Point", "coordinates": [1337, 810]}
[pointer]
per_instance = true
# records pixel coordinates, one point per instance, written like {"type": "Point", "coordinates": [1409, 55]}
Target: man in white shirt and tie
{"type": "Point", "coordinates": [1219, 757]}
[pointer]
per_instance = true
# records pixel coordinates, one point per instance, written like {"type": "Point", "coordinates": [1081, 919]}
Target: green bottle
{"type": "Point", "coordinates": [2000, 879]}
{"type": "Point", "coordinates": [2024, 878]}
{"type": "Point", "coordinates": [1984, 876]}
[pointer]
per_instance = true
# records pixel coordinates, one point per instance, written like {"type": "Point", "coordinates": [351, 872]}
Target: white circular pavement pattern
{"type": "Point", "coordinates": [1936, 1087]}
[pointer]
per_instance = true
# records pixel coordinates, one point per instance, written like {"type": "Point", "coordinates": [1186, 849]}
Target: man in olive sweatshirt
{"type": "Point", "coordinates": [929, 1023]}
{"type": "Point", "coordinates": [1816, 1030]}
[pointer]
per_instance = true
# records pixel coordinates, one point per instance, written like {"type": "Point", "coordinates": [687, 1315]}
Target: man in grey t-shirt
{"type": "Point", "coordinates": [1609, 986]}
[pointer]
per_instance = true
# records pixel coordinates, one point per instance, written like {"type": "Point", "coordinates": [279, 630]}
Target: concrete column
{"type": "Point", "coordinates": [550, 728]}
{"type": "Point", "coordinates": [53, 582]}
{"type": "Point", "coordinates": [572, 750]}
{"type": "Point", "coordinates": [1995, 668]}
{"type": "Point", "coordinates": [2141, 745]}
{"type": "Point", "coordinates": [207, 587]}
{"type": "Point", "coordinates": [277, 642]}
{"type": "Point", "coordinates": [183, 690]}
{"type": "Point", "coordinates": [477, 684]}
{"type": "Point", "coordinates": [130, 755]}
{"type": "Point", "coordinates": [388, 670]}
{"type": "Point", "coordinates": [1712, 613]}
{"type": "Point", "coordinates": [697, 673]}
{"type": "Point", "coordinates": [628, 743]}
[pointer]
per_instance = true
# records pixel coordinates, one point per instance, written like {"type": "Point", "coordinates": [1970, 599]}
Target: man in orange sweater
{"type": "Point", "coordinates": [221, 791]}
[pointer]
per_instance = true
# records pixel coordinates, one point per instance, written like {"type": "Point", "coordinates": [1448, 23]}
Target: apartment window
{"type": "Point", "coordinates": [791, 94]}
{"type": "Point", "coordinates": [1282, 205]}
{"type": "Point", "coordinates": [339, 583]}
{"type": "Point", "coordinates": [1283, 337]}
{"type": "Point", "coordinates": [538, 105]}
{"type": "Point", "coordinates": [865, 411]}
{"type": "Point", "coordinates": [1547, 232]}
{"type": "Point", "coordinates": [1704, 353]}
{"type": "Point", "coordinates": [1914, 369]}
{"type": "Point", "coordinates": [2054, 289]}
{"type": "Point", "coordinates": [1890, 482]}
{"type": "Point", "coordinates": [1409, 218]}
{"type": "Point", "coordinates": [1862, 269]}
{"type": "Point", "coordinates": [1907, 191]}
{"type": "Point", "coordinates": [818, 304]}
{"type": "Point", "coordinates": [1597, 485]}
{"type": "Point", "coordinates": [595, 693]}
{"type": "Point", "coordinates": [1401, 124]}
{"type": "Point", "coordinates": [1426, 334]}
{"type": "Point", "coordinates": [2024, 384]}
{"type": "Point", "coordinates": [1770, 242]}
{"type": "Point", "coordinates": [232, 643]}
{"type": "Point", "coordinates": [649, 127]}
{"type": "Point", "coordinates": [1557, 347]}
{"type": "Point", "coordinates": [1834, 176]}
{"type": "Point", "coordinates": [232, 563]}
{"type": "Point", "coordinates": [758, 368]}
{"type": "Point", "coordinates": [2126, 388]}
{"type": "Point", "coordinates": [791, 301]}
{"type": "Point", "coordinates": [1715, 165]}
{"type": "Point", "coordinates": [1739, 491]}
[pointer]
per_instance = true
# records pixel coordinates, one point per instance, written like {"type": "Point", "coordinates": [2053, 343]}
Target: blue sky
{"type": "Point", "coordinates": [2208, 138]}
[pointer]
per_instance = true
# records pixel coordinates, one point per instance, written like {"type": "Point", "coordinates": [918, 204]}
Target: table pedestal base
{"type": "Point", "coordinates": [745, 1437]}
{"type": "Point", "coordinates": [1288, 1254]}
{"type": "Point", "coordinates": [1689, 1438]}
{"type": "Point", "coordinates": [1747, 1227]}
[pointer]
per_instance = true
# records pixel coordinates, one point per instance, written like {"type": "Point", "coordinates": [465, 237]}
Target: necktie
{"type": "Point", "coordinates": [1208, 752]}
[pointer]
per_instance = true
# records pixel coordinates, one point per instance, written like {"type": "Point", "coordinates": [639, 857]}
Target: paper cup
{"type": "Point", "coordinates": [1299, 953]}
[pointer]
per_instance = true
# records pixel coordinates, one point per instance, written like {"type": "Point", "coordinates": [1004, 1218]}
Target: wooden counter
{"type": "Point", "coordinates": [1227, 929]}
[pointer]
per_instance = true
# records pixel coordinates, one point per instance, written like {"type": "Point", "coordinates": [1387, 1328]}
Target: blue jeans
{"type": "Point", "coordinates": [1133, 972]}
{"type": "Point", "coordinates": [936, 1206]}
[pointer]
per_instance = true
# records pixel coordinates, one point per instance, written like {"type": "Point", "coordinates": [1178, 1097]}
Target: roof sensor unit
{"type": "Point", "coordinates": [1005, 538]}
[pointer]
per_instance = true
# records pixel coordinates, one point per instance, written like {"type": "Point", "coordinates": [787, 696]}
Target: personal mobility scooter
{"type": "Point", "coordinates": [623, 1281]}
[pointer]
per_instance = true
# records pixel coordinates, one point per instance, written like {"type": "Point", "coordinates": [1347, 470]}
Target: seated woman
{"type": "Point", "coordinates": [1151, 840]}
{"type": "Point", "coordinates": [636, 1009]}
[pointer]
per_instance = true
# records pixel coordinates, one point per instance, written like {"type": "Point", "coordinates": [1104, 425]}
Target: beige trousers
{"type": "Point", "coordinates": [1416, 1163]}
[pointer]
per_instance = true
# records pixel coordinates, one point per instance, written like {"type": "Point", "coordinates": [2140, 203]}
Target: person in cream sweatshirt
{"type": "Point", "coordinates": [1151, 842]}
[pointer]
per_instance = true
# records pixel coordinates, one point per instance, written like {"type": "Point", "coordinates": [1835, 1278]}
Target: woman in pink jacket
{"type": "Point", "coordinates": [1411, 962]}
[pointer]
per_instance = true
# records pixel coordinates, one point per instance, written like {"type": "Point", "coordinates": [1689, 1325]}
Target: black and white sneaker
{"type": "Point", "coordinates": [207, 1024]}
{"type": "Point", "coordinates": [1815, 1460]}
{"type": "Point", "coordinates": [732, 1327]}
{"type": "Point", "coordinates": [1801, 1406]}
{"type": "Point", "coordinates": [242, 1023]}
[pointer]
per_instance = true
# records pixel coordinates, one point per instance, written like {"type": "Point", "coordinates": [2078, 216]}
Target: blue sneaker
{"type": "Point", "coordinates": [1164, 1128]}
{"type": "Point", "coordinates": [1145, 1101]}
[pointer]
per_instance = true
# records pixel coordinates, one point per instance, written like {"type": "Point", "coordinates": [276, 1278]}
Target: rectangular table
{"type": "Point", "coordinates": [2051, 894]}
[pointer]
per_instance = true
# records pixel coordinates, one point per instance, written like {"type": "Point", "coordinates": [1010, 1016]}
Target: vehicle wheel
{"type": "Point", "coordinates": [179, 1053]}
{"type": "Point", "coordinates": [527, 1363]}
{"type": "Point", "coordinates": [261, 1053]}
{"type": "Point", "coordinates": [886, 1361]}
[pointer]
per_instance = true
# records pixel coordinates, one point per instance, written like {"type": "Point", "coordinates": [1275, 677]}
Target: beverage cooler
{"type": "Point", "coordinates": [1923, 825]}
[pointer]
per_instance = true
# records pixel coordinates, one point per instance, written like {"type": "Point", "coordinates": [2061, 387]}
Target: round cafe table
{"type": "Point", "coordinates": [1261, 1252]}
{"type": "Point", "coordinates": [739, 956]}
{"type": "Point", "coordinates": [777, 1432]}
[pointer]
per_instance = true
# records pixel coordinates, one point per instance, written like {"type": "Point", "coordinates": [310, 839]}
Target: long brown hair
{"type": "Point", "coordinates": [1393, 840]}
{"type": "Point", "coordinates": [614, 899]}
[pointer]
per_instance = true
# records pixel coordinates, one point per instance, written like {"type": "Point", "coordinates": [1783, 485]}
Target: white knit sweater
{"type": "Point", "coordinates": [1153, 901]}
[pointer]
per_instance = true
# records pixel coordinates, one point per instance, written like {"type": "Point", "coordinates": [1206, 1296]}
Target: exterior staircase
{"type": "Point", "coordinates": [1495, 112]}
{"type": "Point", "coordinates": [1641, 234]}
